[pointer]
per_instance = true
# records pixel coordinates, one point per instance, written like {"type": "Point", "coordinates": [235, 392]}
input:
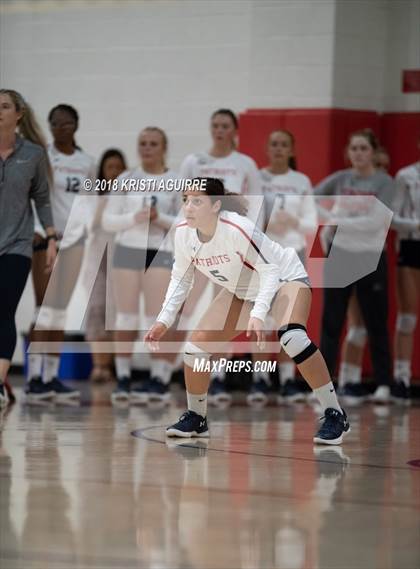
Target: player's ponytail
{"type": "Point", "coordinates": [215, 189]}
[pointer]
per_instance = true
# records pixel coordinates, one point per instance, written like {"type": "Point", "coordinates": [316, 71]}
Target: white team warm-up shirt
{"type": "Point", "coordinates": [238, 172]}
{"type": "Point", "coordinates": [407, 202]}
{"type": "Point", "coordinates": [122, 207]}
{"type": "Point", "coordinates": [291, 192]}
{"type": "Point", "coordinates": [239, 257]}
{"type": "Point", "coordinates": [70, 171]}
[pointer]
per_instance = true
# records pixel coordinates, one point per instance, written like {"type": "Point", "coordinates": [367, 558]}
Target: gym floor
{"type": "Point", "coordinates": [93, 486]}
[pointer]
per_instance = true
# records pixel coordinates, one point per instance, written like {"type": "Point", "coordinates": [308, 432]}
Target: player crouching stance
{"type": "Point", "coordinates": [257, 277]}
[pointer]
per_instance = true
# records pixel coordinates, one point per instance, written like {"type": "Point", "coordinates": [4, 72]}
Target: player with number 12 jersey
{"type": "Point", "coordinates": [70, 173]}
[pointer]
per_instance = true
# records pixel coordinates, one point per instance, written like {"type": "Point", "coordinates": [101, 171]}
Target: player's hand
{"type": "Point", "coordinates": [286, 220]}
{"type": "Point", "coordinates": [153, 336]}
{"type": "Point", "coordinates": [51, 255]}
{"type": "Point", "coordinates": [153, 213]}
{"type": "Point", "coordinates": [142, 216]}
{"type": "Point", "coordinates": [256, 325]}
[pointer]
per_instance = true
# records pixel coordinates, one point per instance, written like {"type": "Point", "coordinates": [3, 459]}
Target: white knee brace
{"type": "Point", "coordinates": [195, 355]}
{"type": "Point", "coordinates": [406, 323]}
{"type": "Point", "coordinates": [50, 318]}
{"type": "Point", "coordinates": [127, 321]}
{"type": "Point", "coordinates": [295, 342]}
{"type": "Point", "coordinates": [356, 335]}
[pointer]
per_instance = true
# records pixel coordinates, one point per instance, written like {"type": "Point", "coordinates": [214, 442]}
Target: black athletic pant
{"type": "Point", "coordinates": [372, 295]}
{"type": "Point", "coordinates": [14, 271]}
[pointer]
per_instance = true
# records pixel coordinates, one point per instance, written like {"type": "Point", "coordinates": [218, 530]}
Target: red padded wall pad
{"type": "Point", "coordinates": [321, 136]}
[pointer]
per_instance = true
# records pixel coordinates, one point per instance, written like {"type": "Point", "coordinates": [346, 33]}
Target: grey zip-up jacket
{"type": "Point", "coordinates": [23, 177]}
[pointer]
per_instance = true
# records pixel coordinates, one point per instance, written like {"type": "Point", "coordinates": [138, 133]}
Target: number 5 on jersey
{"type": "Point", "coordinates": [219, 277]}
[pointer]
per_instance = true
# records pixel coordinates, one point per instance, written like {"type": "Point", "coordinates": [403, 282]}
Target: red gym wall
{"type": "Point", "coordinates": [321, 136]}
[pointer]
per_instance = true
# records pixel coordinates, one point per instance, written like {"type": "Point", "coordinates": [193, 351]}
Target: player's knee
{"type": "Point", "coordinates": [356, 335]}
{"type": "Point", "coordinates": [195, 357]}
{"type": "Point", "coordinates": [406, 323]}
{"type": "Point", "coordinates": [200, 337]}
{"type": "Point", "coordinates": [127, 321]}
{"type": "Point", "coordinates": [295, 342]}
{"type": "Point", "coordinates": [50, 318]}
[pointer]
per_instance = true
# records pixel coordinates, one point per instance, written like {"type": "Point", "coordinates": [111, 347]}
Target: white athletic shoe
{"type": "Point", "coordinates": [382, 395]}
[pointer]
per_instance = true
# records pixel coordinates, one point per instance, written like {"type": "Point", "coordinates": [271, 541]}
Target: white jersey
{"type": "Point", "coordinates": [292, 193]}
{"type": "Point", "coordinates": [239, 257]}
{"type": "Point", "coordinates": [121, 208]}
{"type": "Point", "coordinates": [238, 172]}
{"type": "Point", "coordinates": [407, 203]}
{"type": "Point", "coordinates": [70, 172]}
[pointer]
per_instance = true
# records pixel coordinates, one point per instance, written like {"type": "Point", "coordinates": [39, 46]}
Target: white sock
{"type": "Point", "coordinates": [123, 366]}
{"type": "Point", "coordinates": [34, 365]}
{"type": "Point", "coordinates": [327, 397]}
{"type": "Point", "coordinates": [162, 370]}
{"type": "Point", "coordinates": [402, 371]}
{"type": "Point", "coordinates": [51, 365]}
{"type": "Point", "coordinates": [286, 371]}
{"type": "Point", "coordinates": [349, 373]}
{"type": "Point", "coordinates": [197, 403]}
{"type": "Point", "coordinates": [261, 376]}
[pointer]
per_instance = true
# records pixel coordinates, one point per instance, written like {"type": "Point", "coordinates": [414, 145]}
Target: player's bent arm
{"type": "Point", "coordinates": [270, 279]}
{"type": "Point", "coordinates": [309, 218]}
{"type": "Point", "coordinates": [329, 185]}
{"type": "Point", "coordinates": [165, 220]}
{"type": "Point", "coordinates": [178, 290]}
{"type": "Point", "coordinates": [256, 203]}
{"type": "Point", "coordinates": [113, 220]}
{"type": "Point", "coordinates": [40, 194]}
{"type": "Point", "coordinates": [261, 253]}
{"type": "Point", "coordinates": [399, 222]}
{"type": "Point", "coordinates": [182, 279]}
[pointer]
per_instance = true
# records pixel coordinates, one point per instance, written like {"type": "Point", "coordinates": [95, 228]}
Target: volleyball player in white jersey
{"type": "Point", "coordinates": [290, 214]}
{"type": "Point", "coordinates": [142, 262]}
{"type": "Point", "coordinates": [239, 173]}
{"type": "Point", "coordinates": [99, 316]}
{"type": "Point", "coordinates": [257, 277]}
{"type": "Point", "coordinates": [407, 223]}
{"type": "Point", "coordinates": [71, 167]}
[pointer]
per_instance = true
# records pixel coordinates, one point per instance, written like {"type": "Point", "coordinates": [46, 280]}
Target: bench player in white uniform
{"type": "Point", "coordinates": [142, 261]}
{"type": "Point", "coordinates": [71, 166]}
{"type": "Point", "coordinates": [239, 173]}
{"type": "Point", "coordinates": [257, 277]}
{"type": "Point", "coordinates": [290, 214]}
{"type": "Point", "coordinates": [407, 222]}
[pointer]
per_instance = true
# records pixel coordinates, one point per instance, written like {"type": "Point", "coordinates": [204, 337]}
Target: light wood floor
{"type": "Point", "coordinates": [97, 487]}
